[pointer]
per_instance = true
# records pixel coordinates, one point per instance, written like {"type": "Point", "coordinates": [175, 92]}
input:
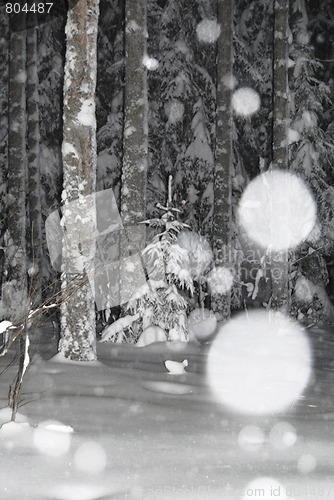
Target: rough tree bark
{"type": "Point", "coordinates": [78, 339]}
{"type": "Point", "coordinates": [279, 259]}
{"type": "Point", "coordinates": [14, 293]}
{"type": "Point", "coordinates": [222, 215]}
{"type": "Point", "coordinates": [34, 229]}
{"type": "Point", "coordinates": [135, 143]}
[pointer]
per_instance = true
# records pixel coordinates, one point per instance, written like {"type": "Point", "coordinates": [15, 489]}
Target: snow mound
{"type": "Point", "coordinates": [277, 210]}
{"type": "Point", "coordinates": [60, 358]}
{"type": "Point", "coordinates": [151, 334]}
{"type": "Point", "coordinates": [176, 368]}
{"type": "Point", "coordinates": [201, 324]}
{"type": "Point", "coordinates": [6, 416]}
{"type": "Point", "coordinates": [52, 438]}
{"type": "Point", "coordinates": [76, 491]}
{"type": "Point", "coordinates": [11, 429]}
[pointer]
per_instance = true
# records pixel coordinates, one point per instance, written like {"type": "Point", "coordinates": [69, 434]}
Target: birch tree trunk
{"type": "Point", "coordinates": [15, 288]}
{"type": "Point", "coordinates": [279, 260]}
{"type": "Point", "coordinates": [34, 229]}
{"type": "Point", "coordinates": [78, 339]}
{"type": "Point", "coordinates": [135, 143]}
{"type": "Point", "coordinates": [222, 214]}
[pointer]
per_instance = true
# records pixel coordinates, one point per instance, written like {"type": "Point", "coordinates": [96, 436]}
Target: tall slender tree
{"type": "Point", "coordinates": [34, 227]}
{"type": "Point", "coordinates": [79, 163]}
{"type": "Point", "coordinates": [14, 294]}
{"type": "Point", "coordinates": [4, 88]}
{"type": "Point", "coordinates": [280, 145]}
{"type": "Point", "coordinates": [222, 216]}
{"type": "Point", "coordinates": [135, 139]}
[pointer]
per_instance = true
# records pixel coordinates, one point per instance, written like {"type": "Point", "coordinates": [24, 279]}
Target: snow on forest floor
{"type": "Point", "coordinates": [126, 428]}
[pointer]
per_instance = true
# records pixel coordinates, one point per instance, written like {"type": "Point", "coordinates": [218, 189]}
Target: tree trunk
{"type": "Point", "coordinates": [135, 144]}
{"type": "Point", "coordinates": [15, 289]}
{"type": "Point", "coordinates": [279, 260]}
{"type": "Point", "coordinates": [34, 229]}
{"type": "Point", "coordinates": [78, 340]}
{"type": "Point", "coordinates": [4, 88]}
{"type": "Point", "coordinates": [222, 215]}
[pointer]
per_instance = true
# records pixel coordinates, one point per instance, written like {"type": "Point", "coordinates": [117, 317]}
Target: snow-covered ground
{"type": "Point", "coordinates": [126, 428]}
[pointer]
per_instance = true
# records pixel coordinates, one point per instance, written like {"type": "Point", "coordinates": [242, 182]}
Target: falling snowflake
{"type": "Point", "coordinates": [220, 280]}
{"type": "Point", "coordinates": [277, 210]}
{"type": "Point", "coordinates": [174, 109]}
{"type": "Point", "coordinates": [208, 31]}
{"type": "Point", "coordinates": [245, 101]}
{"type": "Point", "coordinates": [199, 253]}
{"type": "Point", "coordinates": [150, 62]}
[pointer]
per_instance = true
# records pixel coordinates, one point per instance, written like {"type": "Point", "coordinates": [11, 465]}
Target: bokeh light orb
{"type": "Point", "coordinates": [259, 363]}
{"type": "Point", "coordinates": [245, 101]}
{"type": "Point", "coordinates": [277, 210]}
{"type": "Point", "coordinates": [208, 30]}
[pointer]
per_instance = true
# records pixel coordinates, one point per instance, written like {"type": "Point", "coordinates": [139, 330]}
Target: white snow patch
{"type": "Point", "coordinates": [130, 266]}
{"type": "Point", "coordinates": [4, 325]}
{"type": "Point", "coordinates": [277, 210]}
{"type": "Point", "coordinates": [168, 388]}
{"type": "Point", "coordinates": [259, 363]}
{"type": "Point", "coordinates": [150, 62]}
{"type": "Point", "coordinates": [132, 26]}
{"type": "Point", "coordinates": [175, 367]}
{"type": "Point", "coordinates": [33, 270]}
{"type": "Point", "coordinates": [76, 491]}
{"type": "Point", "coordinates": [6, 415]}
{"type": "Point", "coordinates": [60, 358]}
{"type": "Point", "coordinates": [174, 110]}
{"type": "Point", "coordinates": [90, 457]}
{"type": "Point", "coordinates": [11, 429]}
{"type": "Point", "coordinates": [129, 131]}
{"type": "Point", "coordinates": [246, 101]}
{"type": "Point", "coordinates": [86, 115]}
{"type": "Point", "coordinates": [50, 440]}
{"type": "Point", "coordinates": [151, 334]}
{"type": "Point", "coordinates": [208, 31]}
{"type": "Point", "coordinates": [55, 425]}
{"type": "Point", "coordinates": [293, 136]}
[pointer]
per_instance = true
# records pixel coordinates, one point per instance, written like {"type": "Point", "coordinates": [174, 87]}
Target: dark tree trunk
{"type": "Point", "coordinates": [222, 215]}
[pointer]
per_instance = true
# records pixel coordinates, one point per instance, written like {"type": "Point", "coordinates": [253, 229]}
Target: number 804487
{"type": "Point", "coordinates": [40, 8]}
